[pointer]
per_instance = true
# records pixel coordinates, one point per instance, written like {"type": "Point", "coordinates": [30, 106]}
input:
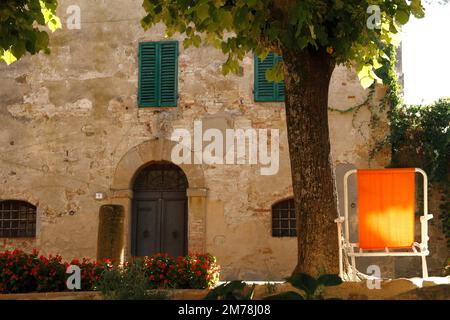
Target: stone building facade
{"type": "Point", "coordinates": [73, 140]}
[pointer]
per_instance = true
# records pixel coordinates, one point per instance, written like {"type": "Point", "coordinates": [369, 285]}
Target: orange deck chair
{"type": "Point", "coordinates": [385, 217]}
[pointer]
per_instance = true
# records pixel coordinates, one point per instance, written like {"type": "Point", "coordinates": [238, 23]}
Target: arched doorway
{"type": "Point", "coordinates": [159, 220]}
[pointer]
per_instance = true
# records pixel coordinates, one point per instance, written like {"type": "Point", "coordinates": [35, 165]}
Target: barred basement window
{"type": "Point", "coordinates": [283, 219]}
{"type": "Point", "coordinates": [17, 219]}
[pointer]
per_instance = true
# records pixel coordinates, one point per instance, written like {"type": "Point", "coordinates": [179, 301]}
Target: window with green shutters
{"type": "Point", "coordinates": [266, 91]}
{"type": "Point", "coordinates": [158, 74]}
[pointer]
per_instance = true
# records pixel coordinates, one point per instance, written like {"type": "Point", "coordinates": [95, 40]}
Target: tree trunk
{"type": "Point", "coordinates": [307, 79]}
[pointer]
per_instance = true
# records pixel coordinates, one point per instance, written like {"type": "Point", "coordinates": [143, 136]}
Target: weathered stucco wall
{"type": "Point", "coordinates": [68, 120]}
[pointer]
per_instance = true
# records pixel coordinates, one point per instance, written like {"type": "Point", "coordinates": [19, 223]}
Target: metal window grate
{"type": "Point", "coordinates": [283, 219]}
{"type": "Point", "coordinates": [17, 219]}
{"type": "Point", "coordinates": [161, 176]}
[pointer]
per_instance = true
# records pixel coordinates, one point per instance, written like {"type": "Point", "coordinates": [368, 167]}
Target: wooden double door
{"type": "Point", "coordinates": [160, 211]}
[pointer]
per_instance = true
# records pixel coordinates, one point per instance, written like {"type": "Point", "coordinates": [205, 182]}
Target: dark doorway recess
{"type": "Point", "coordinates": [159, 220]}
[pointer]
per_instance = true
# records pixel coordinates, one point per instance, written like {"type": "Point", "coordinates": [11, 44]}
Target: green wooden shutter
{"type": "Point", "coordinates": [148, 74]}
{"type": "Point", "coordinates": [266, 91]}
{"type": "Point", "coordinates": [280, 85]}
{"type": "Point", "coordinates": [169, 74]}
{"type": "Point", "coordinates": [158, 74]}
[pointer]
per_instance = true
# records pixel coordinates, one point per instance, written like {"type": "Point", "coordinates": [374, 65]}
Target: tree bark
{"type": "Point", "coordinates": [307, 78]}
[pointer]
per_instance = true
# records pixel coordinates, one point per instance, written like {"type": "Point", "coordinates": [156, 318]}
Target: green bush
{"type": "Point", "coordinates": [446, 270]}
{"type": "Point", "coordinates": [194, 271]}
{"type": "Point", "coordinates": [129, 283]}
{"type": "Point", "coordinates": [311, 287]}
{"type": "Point", "coordinates": [421, 137]}
{"type": "Point", "coordinates": [233, 290]}
{"type": "Point", "coordinates": [22, 272]}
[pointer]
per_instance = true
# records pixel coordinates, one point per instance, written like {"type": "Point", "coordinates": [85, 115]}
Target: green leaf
{"type": "Point", "coordinates": [42, 40]}
{"type": "Point", "coordinates": [311, 30]}
{"type": "Point", "coordinates": [7, 56]}
{"type": "Point", "coordinates": [402, 17]}
{"type": "Point", "coordinates": [19, 49]}
{"type": "Point", "coordinates": [288, 295]}
{"type": "Point", "coordinates": [230, 290]}
{"type": "Point", "coordinates": [304, 282]}
{"type": "Point", "coordinates": [51, 20]}
{"type": "Point", "coordinates": [339, 4]}
{"type": "Point", "coordinates": [366, 82]}
{"type": "Point", "coordinates": [262, 55]}
{"type": "Point", "coordinates": [329, 280]}
{"type": "Point", "coordinates": [203, 11]}
{"type": "Point", "coordinates": [251, 293]}
{"type": "Point", "coordinates": [276, 73]}
{"type": "Point", "coordinates": [417, 9]}
{"type": "Point", "coordinates": [187, 42]}
{"type": "Point", "coordinates": [212, 295]}
{"type": "Point", "coordinates": [366, 76]}
{"type": "Point", "coordinates": [197, 41]}
{"type": "Point", "coordinates": [241, 16]}
{"type": "Point", "coordinates": [226, 19]}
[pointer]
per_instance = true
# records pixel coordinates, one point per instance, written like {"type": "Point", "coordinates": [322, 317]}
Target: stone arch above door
{"type": "Point", "coordinates": [138, 157]}
{"type": "Point", "coordinates": [149, 151]}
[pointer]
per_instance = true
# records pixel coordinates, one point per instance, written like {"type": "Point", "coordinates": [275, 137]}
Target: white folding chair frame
{"type": "Point", "coordinates": [417, 249]}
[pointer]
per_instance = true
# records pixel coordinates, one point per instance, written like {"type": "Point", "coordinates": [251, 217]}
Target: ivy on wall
{"type": "Point", "coordinates": [420, 136]}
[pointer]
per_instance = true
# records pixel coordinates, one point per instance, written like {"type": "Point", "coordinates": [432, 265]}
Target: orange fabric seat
{"type": "Point", "coordinates": [386, 208]}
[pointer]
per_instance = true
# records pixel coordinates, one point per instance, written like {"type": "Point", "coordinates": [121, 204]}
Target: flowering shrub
{"type": "Point", "coordinates": [91, 272]}
{"type": "Point", "coordinates": [16, 271]}
{"type": "Point", "coordinates": [30, 272]}
{"type": "Point", "coordinates": [49, 273]}
{"type": "Point", "coordinates": [195, 271]}
{"type": "Point", "coordinates": [23, 272]}
{"type": "Point", "coordinates": [157, 269]}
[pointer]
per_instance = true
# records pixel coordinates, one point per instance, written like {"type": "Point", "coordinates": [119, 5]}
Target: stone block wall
{"type": "Point", "coordinates": [70, 127]}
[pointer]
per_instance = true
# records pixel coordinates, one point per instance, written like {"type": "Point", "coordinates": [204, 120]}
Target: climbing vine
{"type": "Point", "coordinates": [420, 137]}
{"type": "Point", "coordinates": [419, 134]}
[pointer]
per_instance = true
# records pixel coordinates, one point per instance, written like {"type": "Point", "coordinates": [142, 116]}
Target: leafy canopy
{"type": "Point", "coordinates": [21, 24]}
{"type": "Point", "coordinates": [240, 26]}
